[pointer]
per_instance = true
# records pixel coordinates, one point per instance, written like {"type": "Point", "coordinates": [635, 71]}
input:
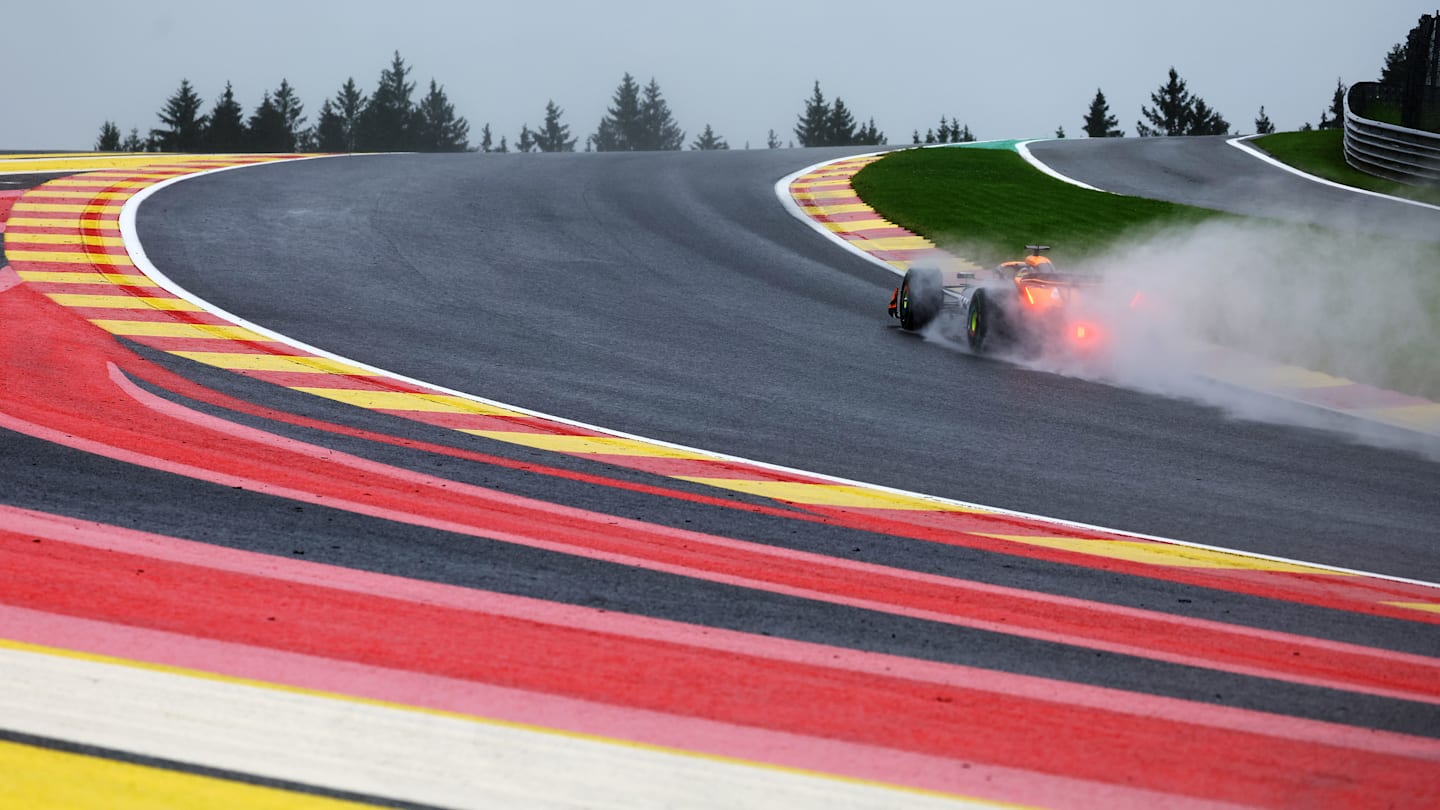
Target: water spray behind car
{"type": "Point", "coordinates": [1167, 311]}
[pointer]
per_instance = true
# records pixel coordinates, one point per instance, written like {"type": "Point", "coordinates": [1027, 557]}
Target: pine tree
{"type": "Point", "coordinates": [1060, 131]}
{"type": "Point", "coordinates": [930, 136]}
{"type": "Point", "coordinates": [350, 103]}
{"type": "Point", "coordinates": [109, 140]}
{"type": "Point", "coordinates": [915, 137]}
{"type": "Point", "coordinates": [437, 128]}
{"type": "Point", "coordinates": [1099, 123]}
{"type": "Point", "coordinates": [869, 135]}
{"type": "Point", "coordinates": [1262, 123]}
{"type": "Point", "coordinates": [965, 135]}
{"type": "Point", "coordinates": [660, 129]}
{"type": "Point", "coordinates": [266, 131]}
{"type": "Point", "coordinates": [387, 122]}
{"type": "Point", "coordinates": [330, 129]}
{"type": "Point", "coordinates": [336, 129]}
{"type": "Point", "coordinates": [225, 131]}
{"type": "Point", "coordinates": [553, 135]}
{"type": "Point", "coordinates": [290, 110]}
{"type": "Point", "coordinates": [526, 143]}
{"type": "Point", "coordinates": [1205, 121]}
{"type": "Point", "coordinates": [943, 134]}
{"type": "Point", "coordinates": [839, 125]}
{"type": "Point", "coordinates": [132, 142]}
{"type": "Point", "coordinates": [772, 141]}
{"type": "Point", "coordinates": [1172, 111]}
{"type": "Point", "coordinates": [708, 140]}
{"type": "Point", "coordinates": [487, 141]}
{"type": "Point", "coordinates": [502, 147]}
{"type": "Point", "coordinates": [184, 125]}
{"type": "Point", "coordinates": [1336, 119]}
{"type": "Point", "coordinates": [813, 126]}
{"type": "Point", "coordinates": [620, 129]}
{"type": "Point", "coordinates": [1392, 73]}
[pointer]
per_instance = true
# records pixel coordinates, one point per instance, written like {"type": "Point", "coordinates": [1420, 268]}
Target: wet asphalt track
{"type": "Point", "coordinates": [670, 295]}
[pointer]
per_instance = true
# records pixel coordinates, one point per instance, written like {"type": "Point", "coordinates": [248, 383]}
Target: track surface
{"type": "Point", "coordinates": [667, 296]}
{"type": "Point", "coordinates": [323, 547]}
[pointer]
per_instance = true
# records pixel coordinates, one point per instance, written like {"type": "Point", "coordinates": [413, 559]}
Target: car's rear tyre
{"type": "Point", "coordinates": [922, 294]}
{"type": "Point", "coordinates": [982, 322]}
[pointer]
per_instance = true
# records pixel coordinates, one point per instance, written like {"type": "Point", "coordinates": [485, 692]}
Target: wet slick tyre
{"type": "Point", "coordinates": [922, 293]}
{"type": "Point", "coordinates": [982, 322]}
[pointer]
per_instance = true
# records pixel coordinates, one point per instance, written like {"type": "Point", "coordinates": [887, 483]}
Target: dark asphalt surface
{"type": "Point", "coordinates": [670, 295]}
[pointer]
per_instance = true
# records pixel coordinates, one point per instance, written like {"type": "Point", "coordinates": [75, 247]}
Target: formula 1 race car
{"type": "Point", "coordinates": [1027, 305]}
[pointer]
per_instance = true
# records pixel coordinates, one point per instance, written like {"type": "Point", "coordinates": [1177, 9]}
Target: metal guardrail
{"type": "Point", "coordinates": [1387, 150]}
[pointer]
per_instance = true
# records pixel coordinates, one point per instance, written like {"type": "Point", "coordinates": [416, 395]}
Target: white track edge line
{"type": "Point", "coordinates": [1023, 147]}
{"type": "Point", "coordinates": [142, 262]}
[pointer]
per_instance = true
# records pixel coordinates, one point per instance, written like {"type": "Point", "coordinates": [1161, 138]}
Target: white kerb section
{"type": "Point", "coordinates": [389, 751]}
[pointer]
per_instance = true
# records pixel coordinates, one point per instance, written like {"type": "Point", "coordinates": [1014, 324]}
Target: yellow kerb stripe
{"type": "Point", "coordinates": [91, 181]}
{"type": "Point", "coordinates": [406, 401]}
{"type": "Point", "coordinates": [851, 208]}
{"type": "Point", "coordinates": [830, 495]}
{"type": "Point", "coordinates": [829, 182]}
{"type": "Point", "coordinates": [1425, 417]}
{"type": "Point", "coordinates": [64, 208]}
{"type": "Point", "coordinates": [894, 243]}
{"type": "Point", "coordinates": [58, 257]}
{"type": "Point", "coordinates": [46, 191]}
{"type": "Point", "coordinates": [1162, 554]}
{"type": "Point", "coordinates": [66, 222]}
{"type": "Point", "coordinates": [237, 361]}
{"type": "Point", "coordinates": [1428, 607]}
{"type": "Point", "coordinates": [178, 330]}
{"type": "Point", "coordinates": [13, 238]}
{"type": "Point", "coordinates": [587, 445]}
{"type": "Point", "coordinates": [81, 277]}
{"type": "Point", "coordinates": [43, 778]}
{"type": "Point", "coordinates": [93, 163]}
{"type": "Point", "coordinates": [122, 301]}
{"type": "Point", "coordinates": [837, 194]}
{"type": "Point", "coordinates": [858, 225]}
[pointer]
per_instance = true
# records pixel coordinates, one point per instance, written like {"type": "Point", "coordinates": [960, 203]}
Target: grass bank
{"type": "Point", "coordinates": [987, 204]}
{"type": "Point", "coordinates": [1322, 153]}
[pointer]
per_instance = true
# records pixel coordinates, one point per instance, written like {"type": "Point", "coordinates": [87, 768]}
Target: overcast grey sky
{"type": "Point", "coordinates": [1008, 70]}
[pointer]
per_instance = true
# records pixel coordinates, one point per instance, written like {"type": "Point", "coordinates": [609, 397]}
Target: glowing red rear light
{"type": "Point", "coordinates": [1085, 333]}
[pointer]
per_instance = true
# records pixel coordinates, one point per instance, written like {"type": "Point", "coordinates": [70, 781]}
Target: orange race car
{"type": "Point", "coordinates": [1027, 305]}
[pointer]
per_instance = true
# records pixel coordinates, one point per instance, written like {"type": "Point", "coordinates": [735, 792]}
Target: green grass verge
{"type": "Point", "coordinates": [1322, 153]}
{"type": "Point", "coordinates": [987, 204]}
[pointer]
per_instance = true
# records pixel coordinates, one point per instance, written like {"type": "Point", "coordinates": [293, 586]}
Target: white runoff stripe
{"type": "Point", "coordinates": [388, 751]}
{"type": "Point", "coordinates": [1023, 148]}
